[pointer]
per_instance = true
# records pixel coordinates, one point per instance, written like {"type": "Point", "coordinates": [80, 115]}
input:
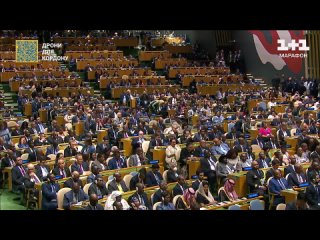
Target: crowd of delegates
{"type": "Point", "coordinates": [217, 161]}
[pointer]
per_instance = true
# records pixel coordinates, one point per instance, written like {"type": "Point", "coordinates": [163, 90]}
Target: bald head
{"type": "Point", "coordinates": [75, 176]}
{"type": "Point", "coordinates": [93, 199]}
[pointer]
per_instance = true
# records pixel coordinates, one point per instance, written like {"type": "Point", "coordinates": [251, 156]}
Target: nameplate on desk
{"type": "Point", "coordinates": [247, 169]}
{"type": "Point", "coordinates": [247, 136]}
{"type": "Point", "coordinates": [18, 114]}
{"type": "Point", "coordinates": [194, 177]}
{"type": "Point", "coordinates": [252, 195]}
{"type": "Point", "coordinates": [154, 162]}
{"type": "Point", "coordinates": [135, 134]}
{"type": "Point", "coordinates": [310, 108]}
{"type": "Point", "coordinates": [25, 161]}
{"type": "Point", "coordinates": [58, 177]}
{"type": "Point", "coordinates": [306, 184]}
{"type": "Point", "coordinates": [209, 128]}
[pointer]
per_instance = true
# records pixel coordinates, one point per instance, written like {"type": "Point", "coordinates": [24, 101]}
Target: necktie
{"type": "Point", "coordinates": [62, 173]}
{"type": "Point", "coordinates": [36, 180]}
{"type": "Point", "coordinates": [52, 188]}
{"type": "Point", "coordinates": [23, 172]}
{"type": "Point", "coordinates": [80, 170]}
{"type": "Point", "coordinates": [281, 184]}
{"type": "Point", "coordinates": [141, 200]}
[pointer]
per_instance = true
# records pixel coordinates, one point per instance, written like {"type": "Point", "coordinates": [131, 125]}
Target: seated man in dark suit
{"type": "Point", "coordinates": [117, 161]}
{"type": "Point", "coordinates": [94, 172]}
{"type": "Point", "coordinates": [141, 196]}
{"type": "Point", "coordinates": [74, 196]}
{"type": "Point", "coordinates": [196, 183]}
{"type": "Point", "coordinates": [61, 170]}
{"type": "Point", "coordinates": [117, 184]}
{"type": "Point", "coordinates": [157, 196]}
{"type": "Point", "coordinates": [180, 186]}
{"type": "Point", "coordinates": [98, 187]}
{"type": "Point", "coordinates": [18, 173]}
{"type": "Point", "coordinates": [80, 166]}
{"type": "Point", "coordinates": [138, 178]}
{"type": "Point", "coordinates": [33, 153]}
{"type": "Point", "coordinates": [172, 174]}
{"type": "Point", "coordinates": [52, 149]}
{"type": "Point", "coordinates": [276, 184]}
{"type": "Point", "coordinates": [71, 150]}
{"type": "Point", "coordinates": [75, 178]}
{"type": "Point", "coordinates": [104, 146]}
{"type": "Point", "coordinates": [259, 141]}
{"type": "Point", "coordinates": [313, 192]}
{"type": "Point", "coordinates": [30, 179]}
{"type": "Point", "coordinates": [208, 165]}
{"type": "Point", "coordinates": [297, 177]}
{"type": "Point", "coordinates": [290, 168]}
{"type": "Point", "coordinates": [299, 204]}
{"type": "Point", "coordinates": [93, 205]}
{"type": "Point", "coordinates": [263, 161]}
{"type": "Point", "coordinates": [42, 169]}
{"type": "Point", "coordinates": [153, 177]}
{"type": "Point", "coordinates": [275, 164]}
{"type": "Point", "coordinates": [49, 193]}
{"type": "Point", "coordinates": [255, 179]}
{"type": "Point", "coordinates": [200, 151]}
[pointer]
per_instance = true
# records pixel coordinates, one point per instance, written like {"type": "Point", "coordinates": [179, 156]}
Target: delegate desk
{"type": "Point", "coordinates": [149, 55]}
{"type": "Point", "coordinates": [243, 203]}
{"type": "Point", "coordinates": [6, 76]}
{"type": "Point", "coordinates": [63, 92]}
{"type": "Point", "coordinates": [82, 63]}
{"type": "Point", "coordinates": [121, 72]}
{"type": "Point", "coordinates": [15, 84]}
{"type": "Point", "coordinates": [209, 79]}
{"type": "Point", "coordinates": [241, 187]}
{"type": "Point", "coordinates": [104, 81]}
{"type": "Point", "coordinates": [45, 64]}
{"type": "Point", "coordinates": [149, 191]}
{"type": "Point", "coordinates": [173, 71]}
{"type": "Point", "coordinates": [116, 92]}
{"type": "Point", "coordinates": [213, 89]}
{"type": "Point", "coordinates": [176, 49]}
{"type": "Point", "coordinates": [93, 55]}
{"type": "Point", "coordinates": [117, 41]}
{"type": "Point", "coordinates": [162, 63]}
{"type": "Point", "coordinates": [158, 42]}
{"type": "Point", "coordinates": [91, 47]}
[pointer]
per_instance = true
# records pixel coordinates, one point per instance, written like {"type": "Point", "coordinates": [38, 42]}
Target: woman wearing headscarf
{"type": "Point", "coordinates": [203, 194]}
{"type": "Point", "coordinates": [227, 192]}
{"type": "Point", "coordinates": [185, 201]}
{"type": "Point", "coordinates": [116, 196]}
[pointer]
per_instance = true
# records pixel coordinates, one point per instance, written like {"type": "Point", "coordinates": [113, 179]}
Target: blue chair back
{"type": "Point", "coordinates": [234, 207]}
{"type": "Point", "coordinates": [256, 205]}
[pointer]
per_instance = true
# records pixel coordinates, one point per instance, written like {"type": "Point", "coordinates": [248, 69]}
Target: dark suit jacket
{"type": "Point", "coordinates": [6, 162]}
{"type": "Point", "coordinates": [312, 195]}
{"type": "Point", "coordinates": [288, 169]}
{"type": "Point", "coordinates": [56, 172]}
{"type": "Point", "coordinates": [101, 149]}
{"type": "Point", "coordinates": [281, 135]}
{"type": "Point", "coordinates": [172, 176]}
{"type": "Point", "coordinates": [17, 177]}
{"type": "Point", "coordinates": [69, 183]}
{"type": "Point", "coordinates": [184, 155]}
{"type": "Point", "coordinates": [76, 167]}
{"type": "Point", "coordinates": [177, 189]}
{"type": "Point", "coordinates": [276, 143]}
{"type": "Point", "coordinates": [157, 196]}
{"type": "Point", "coordinates": [238, 148]}
{"type": "Point", "coordinates": [68, 198]}
{"type": "Point", "coordinates": [275, 187]}
{"type": "Point", "coordinates": [267, 160]}
{"type": "Point", "coordinates": [261, 142]}
{"type": "Point", "coordinates": [293, 179]}
{"type": "Point", "coordinates": [196, 184]}
{"type": "Point", "coordinates": [199, 151]}
{"type": "Point", "coordinates": [27, 181]}
{"type": "Point", "coordinates": [134, 181]}
{"type": "Point", "coordinates": [94, 189]}
{"type": "Point", "coordinates": [33, 156]}
{"type": "Point", "coordinates": [39, 171]}
{"type": "Point", "coordinates": [253, 180]}
{"type": "Point", "coordinates": [144, 197]}
{"type": "Point", "coordinates": [49, 197]}
{"type": "Point", "coordinates": [205, 165]}
{"type": "Point", "coordinates": [113, 186]}
{"type": "Point", "coordinates": [97, 207]}
{"type": "Point", "coordinates": [151, 179]}
{"type": "Point", "coordinates": [112, 164]}
{"type": "Point", "coordinates": [68, 152]}
{"type": "Point", "coordinates": [51, 151]}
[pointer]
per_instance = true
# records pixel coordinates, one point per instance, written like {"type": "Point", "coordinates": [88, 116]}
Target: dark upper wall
{"type": "Point", "coordinates": [205, 38]}
{"type": "Point", "coordinates": [254, 64]}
